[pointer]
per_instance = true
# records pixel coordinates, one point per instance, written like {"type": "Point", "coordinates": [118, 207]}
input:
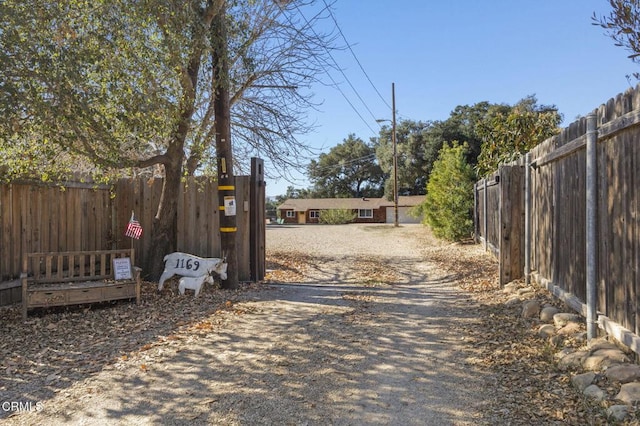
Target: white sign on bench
{"type": "Point", "coordinates": [122, 269]}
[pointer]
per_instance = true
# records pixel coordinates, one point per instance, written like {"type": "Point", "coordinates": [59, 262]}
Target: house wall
{"type": "Point", "coordinates": [379, 216]}
{"type": "Point", "coordinates": [283, 215]}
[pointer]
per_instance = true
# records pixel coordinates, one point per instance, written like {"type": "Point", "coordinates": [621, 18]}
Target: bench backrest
{"type": "Point", "coordinates": [72, 265]}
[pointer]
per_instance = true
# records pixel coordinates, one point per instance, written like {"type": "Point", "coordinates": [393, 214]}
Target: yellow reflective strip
{"type": "Point", "coordinates": [226, 188]}
{"type": "Point", "coordinates": [221, 207]}
{"type": "Point", "coordinates": [228, 229]}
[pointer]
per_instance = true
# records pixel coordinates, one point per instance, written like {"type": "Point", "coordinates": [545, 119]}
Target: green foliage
{"type": "Point", "coordinates": [130, 83]}
{"type": "Point", "coordinates": [336, 216]}
{"type": "Point", "coordinates": [348, 170]}
{"type": "Point", "coordinates": [623, 26]}
{"type": "Point", "coordinates": [509, 134]}
{"type": "Point", "coordinates": [449, 201]}
{"type": "Point", "coordinates": [412, 150]}
{"type": "Point", "coordinates": [293, 192]}
{"type": "Point", "coordinates": [73, 77]}
{"type": "Point", "coordinates": [419, 143]}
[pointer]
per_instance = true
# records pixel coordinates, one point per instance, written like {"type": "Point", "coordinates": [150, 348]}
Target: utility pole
{"type": "Point", "coordinates": [395, 155]}
{"type": "Point", "coordinates": [226, 180]}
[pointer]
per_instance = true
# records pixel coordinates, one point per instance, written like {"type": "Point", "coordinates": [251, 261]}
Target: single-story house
{"type": "Point", "coordinates": [368, 210]}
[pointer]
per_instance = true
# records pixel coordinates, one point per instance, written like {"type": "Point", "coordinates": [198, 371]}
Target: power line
{"type": "Point", "coordinates": [343, 74]}
{"type": "Point", "coordinates": [368, 157]}
{"type": "Point", "coordinates": [335, 21]}
{"type": "Point", "coordinates": [335, 84]}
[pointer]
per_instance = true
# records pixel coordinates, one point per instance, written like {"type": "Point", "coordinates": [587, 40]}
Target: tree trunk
{"type": "Point", "coordinates": [164, 234]}
{"type": "Point", "coordinates": [165, 224]}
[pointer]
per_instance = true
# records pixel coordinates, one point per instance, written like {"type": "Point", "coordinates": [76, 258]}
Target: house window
{"type": "Point", "coordinates": [314, 214]}
{"type": "Point", "coordinates": [365, 213]}
{"type": "Point", "coordinates": [291, 213]}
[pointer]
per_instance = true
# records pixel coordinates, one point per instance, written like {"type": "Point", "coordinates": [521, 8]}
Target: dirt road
{"type": "Point", "coordinates": [372, 333]}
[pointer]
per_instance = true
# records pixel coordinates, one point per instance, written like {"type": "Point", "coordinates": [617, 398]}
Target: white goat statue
{"type": "Point", "coordinates": [188, 265]}
{"type": "Point", "coordinates": [193, 283]}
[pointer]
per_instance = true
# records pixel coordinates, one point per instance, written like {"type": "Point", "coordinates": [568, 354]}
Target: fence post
{"type": "Point", "coordinates": [503, 225]}
{"type": "Point", "coordinates": [484, 213]}
{"type": "Point", "coordinates": [475, 212]}
{"type": "Point", "coordinates": [591, 242]}
{"type": "Point", "coordinates": [257, 221]}
{"type": "Point", "coordinates": [527, 218]}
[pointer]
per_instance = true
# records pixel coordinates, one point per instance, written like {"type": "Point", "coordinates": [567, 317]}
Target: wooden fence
{"type": "Point", "coordinates": [555, 226]}
{"type": "Point", "coordinates": [75, 217]}
{"type": "Point", "coordinates": [499, 207]}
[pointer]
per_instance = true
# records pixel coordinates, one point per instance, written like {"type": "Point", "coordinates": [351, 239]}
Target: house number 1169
{"type": "Point", "coordinates": [189, 264]}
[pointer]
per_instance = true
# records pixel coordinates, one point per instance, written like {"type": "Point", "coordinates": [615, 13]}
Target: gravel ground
{"type": "Point", "coordinates": [356, 324]}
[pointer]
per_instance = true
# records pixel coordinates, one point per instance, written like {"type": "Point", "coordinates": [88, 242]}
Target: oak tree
{"type": "Point", "coordinates": [349, 170]}
{"type": "Point", "coordinates": [132, 86]}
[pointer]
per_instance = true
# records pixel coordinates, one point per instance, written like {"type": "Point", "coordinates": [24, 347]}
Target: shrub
{"type": "Point", "coordinates": [448, 206]}
{"type": "Point", "coordinates": [336, 216]}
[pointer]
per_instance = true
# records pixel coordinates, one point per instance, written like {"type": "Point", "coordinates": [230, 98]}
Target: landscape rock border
{"type": "Point", "coordinates": [602, 370]}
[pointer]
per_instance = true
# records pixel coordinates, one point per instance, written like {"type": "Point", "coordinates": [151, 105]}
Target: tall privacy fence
{"type": "Point", "coordinates": [567, 215]}
{"type": "Point", "coordinates": [75, 217]}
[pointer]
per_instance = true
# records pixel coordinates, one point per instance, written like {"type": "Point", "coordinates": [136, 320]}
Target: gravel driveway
{"type": "Point", "coordinates": [370, 333]}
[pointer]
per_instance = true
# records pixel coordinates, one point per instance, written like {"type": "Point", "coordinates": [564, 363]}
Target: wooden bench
{"type": "Point", "coordinates": [78, 277]}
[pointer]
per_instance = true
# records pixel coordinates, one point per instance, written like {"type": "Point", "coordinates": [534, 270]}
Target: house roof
{"type": "Point", "coordinates": [304, 204]}
{"type": "Point", "coordinates": [405, 201]}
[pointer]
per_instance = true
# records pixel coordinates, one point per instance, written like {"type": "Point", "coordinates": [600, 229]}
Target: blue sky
{"type": "Point", "coordinates": [441, 54]}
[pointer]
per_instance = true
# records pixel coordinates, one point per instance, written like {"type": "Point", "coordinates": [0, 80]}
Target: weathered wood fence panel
{"type": "Point", "coordinates": [39, 218]}
{"type": "Point", "coordinates": [511, 221]}
{"type": "Point", "coordinates": [488, 212]}
{"type": "Point", "coordinates": [618, 219]}
{"type": "Point", "coordinates": [556, 252]}
{"type": "Point", "coordinates": [86, 217]}
{"type": "Point", "coordinates": [198, 221]}
{"type": "Point", "coordinates": [500, 219]}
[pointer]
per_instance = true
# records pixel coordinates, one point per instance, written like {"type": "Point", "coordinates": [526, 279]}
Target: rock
{"type": "Point", "coordinates": [617, 412]}
{"type": "Point", "coordinates": [623, 373]}
{"type": "Point", "coordinates": [513, 300]}
{"type": "Point", "coordinates": [556, 341]}
{"type": "Point", "coordinates": [563, 353]}
{"type": "Point", "coordinates": [582, 381]}
{"type": "Point", "coordinates": [530, 309]}
{"type": "Point", "coordinates": [546, 331]}
{"type": "Point", "coordinates": [601, 358]}
{"type": "Point", "coordinates": [601, 343]}
{"type": "Point", "coordinates": [547, 313]}
{"type": "Point", "coordinates": [569, 329]}
{"type": "Point", "coordinates": [572, 361]}
{"type": "Point", "coordinates": [581, 337]}
{"type": "Point", "coordinates": [629, 393]}
{"type": "Point", "coordinates": [510, 288]}
{"type": "Point", "coordinates": [527, 295]}
{"type": "Point", "coordinates": [525, 290]}
{"type": "Point", "coordinates": [594, 392]}
{"type": "Point", "coordinates": [561, 319]}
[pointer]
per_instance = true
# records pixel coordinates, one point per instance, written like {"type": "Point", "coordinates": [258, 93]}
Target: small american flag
{"type": "Point", "coordinates": [134, 229]}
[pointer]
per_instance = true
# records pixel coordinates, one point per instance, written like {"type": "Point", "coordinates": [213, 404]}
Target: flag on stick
{"type": "Point", "coordinates": [134, 229]}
